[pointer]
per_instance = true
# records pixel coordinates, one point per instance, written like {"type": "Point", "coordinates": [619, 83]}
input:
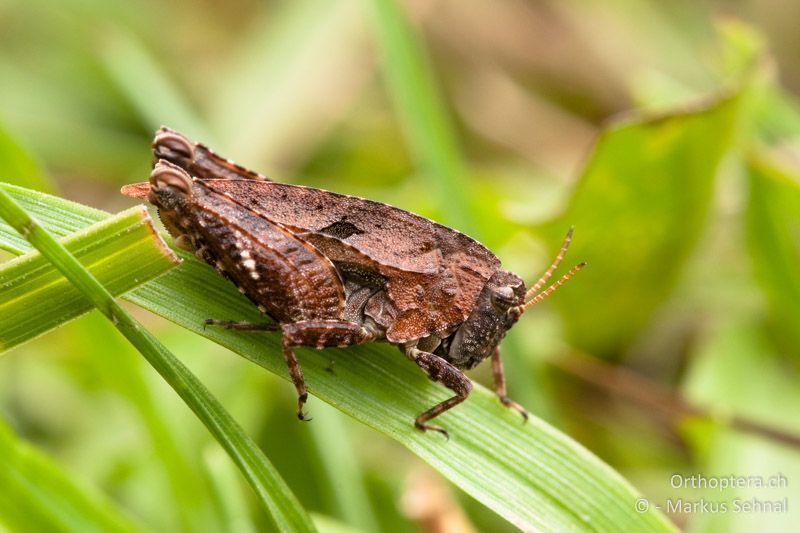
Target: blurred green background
{"type": "Point", "coordinates": [675, 351]}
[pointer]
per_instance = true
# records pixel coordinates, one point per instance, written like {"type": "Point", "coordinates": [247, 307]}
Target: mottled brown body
{"type": "Point", "coordinates": [337, 270]}
{"type": "Point", "coordinates": [432, 279]}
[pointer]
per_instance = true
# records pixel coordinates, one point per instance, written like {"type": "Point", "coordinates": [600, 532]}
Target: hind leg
{"type": "Point", "coordinates": [318, 334]}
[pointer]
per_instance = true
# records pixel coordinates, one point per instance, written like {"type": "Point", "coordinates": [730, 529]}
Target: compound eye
{"type": "Point", "coordinates": [168, 176]}
{"type": "Point", "coordinates": [503, 298]}
{"type": "Point", "coordinates": [171, 145]}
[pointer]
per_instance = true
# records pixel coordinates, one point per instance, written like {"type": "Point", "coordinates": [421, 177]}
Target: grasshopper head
{"type": "Point", "coordinates": [492, 316]}
{"type": "Point", "coordinates": [498, 307]}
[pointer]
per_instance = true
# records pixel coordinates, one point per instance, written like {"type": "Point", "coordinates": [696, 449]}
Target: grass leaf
{"type": "Point", "coordinates": [531, 474]}
{"type": "Point", "coordinates": [120, 251]}
{"type": "Point", "coordinates": [271, 490]}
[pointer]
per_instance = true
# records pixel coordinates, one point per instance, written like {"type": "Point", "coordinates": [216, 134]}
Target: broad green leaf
{"type": "Point", "coordinates": [37, 496]}
{"type": "Point", "coordinates": [779, 117]}
{"type": "Point", "coordinates": [638, 211]}
{"type": "Point", "coordinates": [773, 235]}
{"type": "Point", "coordinates": [531, 474]}
{"type": "Point", "coordinates": [272, 492]}
{"type": "Point", "coordinates": [120, 251]}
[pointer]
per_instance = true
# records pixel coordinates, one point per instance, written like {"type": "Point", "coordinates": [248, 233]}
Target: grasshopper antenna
{"type": "Point", "coordinates": [551, 289]}
{"type": "Point", "coordinates": [557, 261]}
{"type": "Point", "coordinates": [534, 294]}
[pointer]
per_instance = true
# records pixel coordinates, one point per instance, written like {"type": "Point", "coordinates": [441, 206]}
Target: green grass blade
{"type": "Point", "coordinates": [36, 496]}
{"type": "Point", "coordinates": [531, 474]}
{"type": "Point", "coordinates": [428, 128]}
{"type": "Point", "coordinates": [120, 251]}
{"type": "Point", "coordinates": [60, 217]}
{"type": "Point", "coordinates": [127, 374]}
{"type": "Point", "coordinates": [271, 490]}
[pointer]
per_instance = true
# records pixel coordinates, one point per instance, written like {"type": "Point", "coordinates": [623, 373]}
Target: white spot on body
{"type": "Point", "coordinates": [249, 264]}
{"type": "Point", "coordinates": [245, 253]}
{"type": "Point", "coordinates": [254, 275]}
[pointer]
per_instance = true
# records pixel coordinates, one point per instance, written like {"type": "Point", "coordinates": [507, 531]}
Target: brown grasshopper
{"type": "Point", "coordinates": [337, 270]}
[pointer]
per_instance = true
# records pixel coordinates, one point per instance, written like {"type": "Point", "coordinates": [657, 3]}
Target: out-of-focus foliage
{"type": "Point", "coordinates": [689, 223]}
{"type": "Point", "coordinates": [773, 228]}
{"type": "Point", "coordinates": [31, 484]}
{"type": "Point", "coordinates": [640, 206]}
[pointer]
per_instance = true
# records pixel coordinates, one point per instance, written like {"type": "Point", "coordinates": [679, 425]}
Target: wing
{"type": "Point", "coordinates": [386, 234]}
{"type": "Point", "coordinates": [435, 273]}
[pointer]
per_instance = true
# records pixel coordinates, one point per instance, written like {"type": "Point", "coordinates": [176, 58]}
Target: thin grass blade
{"type": "Point", "coordinates": [272, 491]}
